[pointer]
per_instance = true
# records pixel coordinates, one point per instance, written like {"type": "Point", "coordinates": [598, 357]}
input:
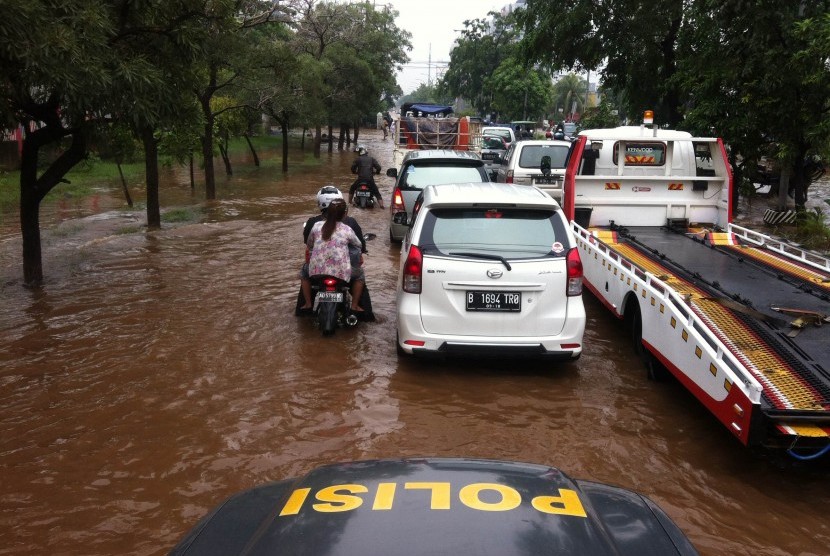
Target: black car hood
{"type": "Point", "coordinates": [435, 506]}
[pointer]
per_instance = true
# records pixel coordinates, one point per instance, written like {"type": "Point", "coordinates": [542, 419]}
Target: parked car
{"type": "Point", "coordinates": [505, 132]}
{"type": "Point", "coordinates": [493, 150]}
{"type": "Point", "coordinates": [420, 168]}
{"type": "Point", "coordinates": [490, 269]}
{"type": "Point", "coordinates": [523, 165]}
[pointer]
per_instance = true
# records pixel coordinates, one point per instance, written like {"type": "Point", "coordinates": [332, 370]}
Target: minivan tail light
{"type": "Point", "coordinates": [397, 201]}
{"type": "Point", "coordinates": [412, 269]}
{"type": "Point", "coordinates": [574, 273]}
{"type": "Point", "coordinates": [508, 178]}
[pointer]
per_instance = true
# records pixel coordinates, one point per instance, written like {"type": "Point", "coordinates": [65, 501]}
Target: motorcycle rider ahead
{"type": "Point", "coordinates": [365, 167]}
{"type": "Point", "coordinates": [325, 196]}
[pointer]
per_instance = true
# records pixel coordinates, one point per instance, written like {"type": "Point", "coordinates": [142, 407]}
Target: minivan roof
{"type": "Point", "coordinates": [487, 193]}
{"type": "Point", "coordinates": [438, 154]}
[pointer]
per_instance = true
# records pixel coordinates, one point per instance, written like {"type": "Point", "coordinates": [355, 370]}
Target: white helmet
{"type": "Point", "coordinates": [326, 195]}
{"type": "Point", "coordinates": [361, 150]}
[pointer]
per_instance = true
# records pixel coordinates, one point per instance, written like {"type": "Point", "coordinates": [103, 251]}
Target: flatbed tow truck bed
{"type": "Point", "coordinates": [766, 309]}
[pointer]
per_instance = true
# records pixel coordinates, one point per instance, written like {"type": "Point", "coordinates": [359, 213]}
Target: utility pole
{"type": "Point", "coordinates": [429, 67]}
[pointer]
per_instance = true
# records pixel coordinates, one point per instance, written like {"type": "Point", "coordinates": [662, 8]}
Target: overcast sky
{"type": "Point", "coordinates": [435, 24]}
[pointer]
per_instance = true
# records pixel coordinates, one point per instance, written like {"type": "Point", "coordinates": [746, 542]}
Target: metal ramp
{"type": "Point", "coordinates": [733, 298]}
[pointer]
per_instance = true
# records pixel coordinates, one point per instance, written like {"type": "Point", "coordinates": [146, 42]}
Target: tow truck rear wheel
{"type": "Point", "coordinates": [655, 370]}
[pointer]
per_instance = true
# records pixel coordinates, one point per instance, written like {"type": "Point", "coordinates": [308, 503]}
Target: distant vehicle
{"type": "Point", "coordinates": [523, 165]}
{"type": "Point", "coordinates": [493, 150]}
{"type": "Point", "coordinates": [424, 167]}
{"type": "Point", "coordinates": [490, 269]}
{"type": "Point", "coordinates": [412, 507]}
{"type": "Point", "coordinates": [505, 132]}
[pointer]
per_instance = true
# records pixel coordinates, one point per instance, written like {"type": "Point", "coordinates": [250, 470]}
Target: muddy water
{"type": "Point", "coordinates": [157, 373]}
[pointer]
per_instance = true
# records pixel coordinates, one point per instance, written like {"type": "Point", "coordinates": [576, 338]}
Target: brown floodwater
{"type": "Point", "coordinates": [155, 374]}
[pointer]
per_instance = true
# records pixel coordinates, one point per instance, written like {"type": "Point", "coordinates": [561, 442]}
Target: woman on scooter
{"type": "Point", "coordinates": [329, 243]}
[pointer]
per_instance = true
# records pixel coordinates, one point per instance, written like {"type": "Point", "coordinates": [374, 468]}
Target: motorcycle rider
{"type": "Point", "coordinates": [365, 167]}
{"type": "Point", "coordinates": [325, 196]}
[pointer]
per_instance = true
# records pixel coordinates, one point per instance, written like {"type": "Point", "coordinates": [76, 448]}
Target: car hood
{"type": "Point", "coordinates": [435, 506]}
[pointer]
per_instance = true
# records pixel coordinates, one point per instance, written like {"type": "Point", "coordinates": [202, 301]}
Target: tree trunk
{"type": "Point", "coordinates": [124, 186]}
{"type": "Point", "coordinates": [356, 131]}
{"type": "Point", "coordinates": [331, 139]}
{"type": "Point", "coordinates": [284, 126]}
{"type": "Point", "coordinates": [34, 189]}
{"type": "Point", "coordinates": [253, 150]}
{"type": "Point", "coordinates": [344, 129]}
{"type": "Point", "coordinates": [192, 175]}
{"type": "Point", "coordinates": [223, 150]}
{"type": "Point", "coordinates": [302, 140]}
{"type": "Point", "coordinates": [783, 187]}
{"type": "Point", "coordinates": [207, 156]}
{"type": "Point", "coordinates": [151, 179]}
{"type": "Point", "coordinates": [318, 139]}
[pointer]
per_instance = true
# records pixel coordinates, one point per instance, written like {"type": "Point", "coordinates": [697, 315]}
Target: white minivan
{"type": "Point", "coordinates": [490, 269]}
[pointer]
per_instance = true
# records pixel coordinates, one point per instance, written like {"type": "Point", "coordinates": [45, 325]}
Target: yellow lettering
{"type": "Point", "coordinates": [384, 496]}
{"type": "Point", "coordinates": [440, 499]}
{"type": "Point", "coordinates": [567, 503]}
{"type": "Point", "coordinates": [337, 502]}
{"type": "Point", "coordinates": [295, 502]}
{"type": "Point", "coordinates": [510, 497]}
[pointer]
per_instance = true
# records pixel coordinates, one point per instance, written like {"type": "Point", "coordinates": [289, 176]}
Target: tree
{"type": "Point", "coordinates": [569, 95]}
{"type": "Point", "coordinates": [519, 93]}
{"type": "Point", "coordinates": [483, 47]}
{"type": "Point", "coordinates": [777, 99]}
{"type": "Point", "coordinates": [634, 42]}
{"type": "Point", "coordinates": [67, 68]}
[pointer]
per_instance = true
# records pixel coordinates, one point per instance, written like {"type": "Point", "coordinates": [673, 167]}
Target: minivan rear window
{"type": "Point", "coordinates": [420, 176]}
{"type": "Point", "coordinates": [531, 155]}
{"type": "Point", "coordinates": [507, 232]}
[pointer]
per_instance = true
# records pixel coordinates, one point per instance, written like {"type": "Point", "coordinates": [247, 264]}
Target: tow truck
{"type": "Point", "coordinates": [737, 316]}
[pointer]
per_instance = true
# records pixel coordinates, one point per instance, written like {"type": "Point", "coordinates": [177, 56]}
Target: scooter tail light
{"type": "Point", "coordinates": [330, 284]}
{"type": "Point", "coordinates": [412, 270]}
{"type": "Point", "coordinates": [575, 273]}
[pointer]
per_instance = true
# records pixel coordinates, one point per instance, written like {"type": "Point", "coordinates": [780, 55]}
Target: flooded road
{"type": "Point", "coordinates": [155, 374]}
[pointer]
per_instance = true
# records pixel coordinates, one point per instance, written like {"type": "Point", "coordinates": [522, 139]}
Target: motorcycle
{"type": "Point", "coordinates": [363, 196]}
{"type": "Point", "coordinates": [332, 300]}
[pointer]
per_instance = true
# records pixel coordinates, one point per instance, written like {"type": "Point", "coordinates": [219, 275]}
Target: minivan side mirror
{"type": "Point", "coordinates": [392, 172]}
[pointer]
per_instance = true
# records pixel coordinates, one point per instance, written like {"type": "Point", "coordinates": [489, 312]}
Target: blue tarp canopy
{"type": "Point", "coordinates": [426, 109]}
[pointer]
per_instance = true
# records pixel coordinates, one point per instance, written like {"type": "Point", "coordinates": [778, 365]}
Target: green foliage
{"type": "Point", "coordinates": [569, 94]}
{"type": "Point", "coordinates": [600, 117]}
{"type": "Point", "coordinates": [482, 48]}
{"type": "Point", "coordinates": [812, 230]}
{"type": "Point", "coordinates": [428, 93]}
{"type": "Point", "coordinates": [519, 94]}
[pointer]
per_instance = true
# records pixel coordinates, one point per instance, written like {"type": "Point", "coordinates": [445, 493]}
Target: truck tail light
{"type": "Point", "coordinates": [508, 178]}
{"type": "Point", "coordinates": [574, 273]}
{"type": "Point", "coordinates": [412, 269]}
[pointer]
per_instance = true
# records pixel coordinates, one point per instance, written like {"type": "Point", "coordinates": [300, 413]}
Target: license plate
{"type": "Point", "coordinates": [494, 301]}
{"type": "Point", "coordinates": [336, 297]}
{"type": "Point", "coordinates": [545, 179]}
{"type": "Point", "coordinates": [488, 156]}
{"type": "Point", "coordinates": [363, 193]}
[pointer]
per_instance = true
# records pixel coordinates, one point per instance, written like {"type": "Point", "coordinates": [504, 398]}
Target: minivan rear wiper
{"type": "Point", "coordinates": [483, 256]}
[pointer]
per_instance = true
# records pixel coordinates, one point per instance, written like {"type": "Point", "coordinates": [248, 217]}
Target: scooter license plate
{"type": "Point", "coordinates": [334, 297]}
{"type": "Point", "coordinates": [363, 194]}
